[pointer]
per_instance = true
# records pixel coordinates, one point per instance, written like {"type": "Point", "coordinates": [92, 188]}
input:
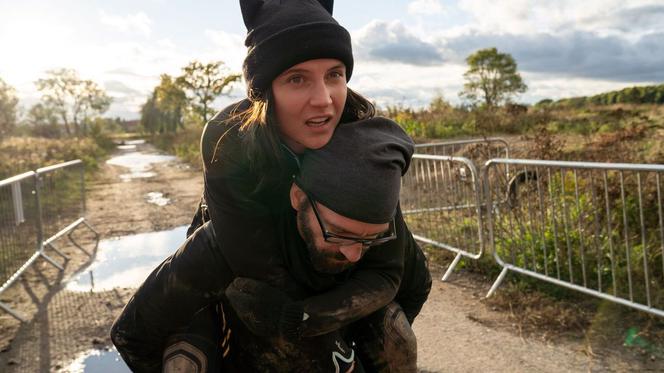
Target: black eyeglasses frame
{"type": "Point", "coordinates": [347, 241]}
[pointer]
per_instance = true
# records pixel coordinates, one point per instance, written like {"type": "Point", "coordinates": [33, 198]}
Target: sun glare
{"type": "Point", "coordinates": [36, 44]}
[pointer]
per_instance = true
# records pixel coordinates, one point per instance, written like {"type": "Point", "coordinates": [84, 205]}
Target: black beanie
{"type": "Point", "coordinates": [283, 33]}
{"type": "Point", "coordinates": [358, 173]}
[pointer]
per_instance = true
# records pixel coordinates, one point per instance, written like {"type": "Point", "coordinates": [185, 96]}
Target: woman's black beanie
{"type": "Point", "coordinates": [283, 33]}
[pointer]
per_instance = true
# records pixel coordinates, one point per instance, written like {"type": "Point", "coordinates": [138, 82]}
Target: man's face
{"type": "Point", "coordinates": [329, 257]}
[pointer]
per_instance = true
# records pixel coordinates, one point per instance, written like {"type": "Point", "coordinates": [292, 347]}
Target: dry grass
{"type": "Point", "coordinates": [534, 312]}
{"type": "Point", "coordinates": [22, 154]}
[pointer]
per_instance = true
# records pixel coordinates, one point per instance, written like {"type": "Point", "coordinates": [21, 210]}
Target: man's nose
{"type": "Point", "coordinates": [353, 252]}
{"type": "Point", "coordinates": [320, 95]}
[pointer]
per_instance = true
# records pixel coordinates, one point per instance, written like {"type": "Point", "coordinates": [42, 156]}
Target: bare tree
{"type": "Point", "coordinates": [75, 100]}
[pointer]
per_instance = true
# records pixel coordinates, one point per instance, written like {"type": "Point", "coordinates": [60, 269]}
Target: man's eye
{"type": "Point", "coordinates": [336, 74]}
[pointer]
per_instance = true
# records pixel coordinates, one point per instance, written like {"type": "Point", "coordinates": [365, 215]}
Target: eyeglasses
{"type": "Point", "coordinates": [330, 237]}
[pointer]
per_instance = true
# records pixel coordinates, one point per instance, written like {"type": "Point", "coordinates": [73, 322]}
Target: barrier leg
{"type": "Point", "coordinates": [495, 285]}
{"type": "Point", "coordinates": [73, 242]}
{"type": "Point", "coordinates": [13, 313]}
{"type": "Point", "coordinates": [50, 260]}
{"type": "Point", "coordinates": [450, 269]}
{"type": "Point", "coordinates": [52, 246]}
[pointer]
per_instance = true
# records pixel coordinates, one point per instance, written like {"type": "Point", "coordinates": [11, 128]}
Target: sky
{"type": "Point", "coordinates": [406, 51]}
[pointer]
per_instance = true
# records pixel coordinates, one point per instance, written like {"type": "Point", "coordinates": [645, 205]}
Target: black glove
{"type": "Point", "coordinates": [265, 310]}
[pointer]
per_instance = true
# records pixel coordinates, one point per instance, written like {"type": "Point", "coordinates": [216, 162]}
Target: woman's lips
{"type": "Point", "coordinates": [318, 121]}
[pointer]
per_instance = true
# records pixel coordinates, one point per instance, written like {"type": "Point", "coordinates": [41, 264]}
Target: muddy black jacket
{"type": "Point", "coordinates": [253, 242]}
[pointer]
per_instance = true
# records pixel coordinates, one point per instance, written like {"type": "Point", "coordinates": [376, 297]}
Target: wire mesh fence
{"type": "Point", "coordinates": [594, 227]}
{"type": "Point", "coordinates": [62, 195]}
{"type": "Point", "coordinates": [19, 223]}
{"type": "Point", "coordinates": [36, 209]}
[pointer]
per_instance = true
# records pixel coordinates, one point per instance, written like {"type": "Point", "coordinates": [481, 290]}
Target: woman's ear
{"type": "Point", "coordinates": [297, 196]}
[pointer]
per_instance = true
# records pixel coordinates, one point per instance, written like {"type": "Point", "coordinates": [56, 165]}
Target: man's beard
{"type": "Point", "coordinates": [324, 262]}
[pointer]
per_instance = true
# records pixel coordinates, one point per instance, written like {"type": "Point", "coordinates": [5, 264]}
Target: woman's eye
{"type": "Point", "coordinates": [296, 79]}
{"type": "Point", "coordinates": [336, 74]}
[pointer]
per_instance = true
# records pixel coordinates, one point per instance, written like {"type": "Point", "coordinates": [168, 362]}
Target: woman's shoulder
{"type": "Point", "coordinates": [222, 133]}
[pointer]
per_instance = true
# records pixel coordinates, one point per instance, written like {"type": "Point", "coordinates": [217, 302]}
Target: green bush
{"type": "Point", "coordinates": [185, 144]}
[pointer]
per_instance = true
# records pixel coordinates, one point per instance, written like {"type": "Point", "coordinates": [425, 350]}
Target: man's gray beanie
{"type": "Point", "coordinates": [358, 173]}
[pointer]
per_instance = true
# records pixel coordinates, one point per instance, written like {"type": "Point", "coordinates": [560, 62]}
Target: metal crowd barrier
{"type": "Point", "coordinates": [597, 228]}
{"type": "Point", "coordinates": [477, 150]}
{"type": "Point", "coordinates": [450, 215]}
{"type": "Point", "coordinates": [441, 203]}
{"type": "Point", "coordinates": [36, 209]}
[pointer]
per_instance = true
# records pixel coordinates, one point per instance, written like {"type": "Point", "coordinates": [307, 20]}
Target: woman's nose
{"type": "Point", "coordinates": [320, 95]}
{"type": "Point", "coordinates": [353, 252]}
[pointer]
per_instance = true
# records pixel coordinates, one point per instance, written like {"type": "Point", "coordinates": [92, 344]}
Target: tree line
{"type": "Point", "coordinates": [188, 97]}
{"type": "Point", "coordinates": [72, 106]}
{"type": "Point", "coordinates": [653, 94]}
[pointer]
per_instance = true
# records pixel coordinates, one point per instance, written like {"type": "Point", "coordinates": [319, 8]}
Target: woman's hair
{"type": "Point", "coordinates": [261, 136]}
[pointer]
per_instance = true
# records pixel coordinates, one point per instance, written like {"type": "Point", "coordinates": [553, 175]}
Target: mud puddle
{"type": "Point", "coordinates": [139, 164]}
{"type": "Point", "coordinates": [157, 198]}
{"type": "Point", "coordinates": [98, 361]}
{"type": "Point", "coordinates": [125, 262]}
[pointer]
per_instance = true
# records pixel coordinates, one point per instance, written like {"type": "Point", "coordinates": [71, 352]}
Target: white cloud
{"type": "Point", "coordinates": [132, 23]}
{"type": "Point", "coordinates": [524, 16]}
{"type": "Point", "coordinates": [393, 41]}
{"type": "Point", "coordinates": [579, 54]}
{"type": "Point", "coordinates": [425, 7]}
{"type": "Point", "coordinates": [227, 47]}
{"type": "Point", "coordinates": [389, 83]}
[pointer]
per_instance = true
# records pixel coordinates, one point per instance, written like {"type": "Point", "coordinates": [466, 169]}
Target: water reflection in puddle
{"type": "Point", "coordinates": [134, 142]}
{"type": "Point", "coordinates": [128, 260]}
{"type": "Point", "coordinates": [157, 198]}
{"type": "Point", "coordinates": [139, 164]}
{"type": "Point", "coordinates": [98, 361]}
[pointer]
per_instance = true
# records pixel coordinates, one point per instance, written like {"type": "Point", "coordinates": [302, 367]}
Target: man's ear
{"type": "Point", "coordinates": [297, 196]}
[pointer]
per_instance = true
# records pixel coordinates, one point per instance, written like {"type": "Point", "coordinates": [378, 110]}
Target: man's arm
{"type": "Point", "coordinates": [195, 276]}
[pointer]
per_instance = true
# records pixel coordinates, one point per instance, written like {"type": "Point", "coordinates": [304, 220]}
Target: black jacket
{"type": "Point", "coordinates": [255, 240]}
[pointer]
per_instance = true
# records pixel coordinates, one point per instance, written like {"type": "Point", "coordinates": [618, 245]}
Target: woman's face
{"type": "Point", "coordinates": [309, 99]}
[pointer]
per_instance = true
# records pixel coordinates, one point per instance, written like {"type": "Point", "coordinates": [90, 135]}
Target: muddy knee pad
{"type": "Point", "coordinates": [184, 356]}
{"type": "Point", "coordinates": [197, 350]}
{"type": "Point", "coordinates": [385, 341]}
{"type": "Point", "coordinates": [399, 341]}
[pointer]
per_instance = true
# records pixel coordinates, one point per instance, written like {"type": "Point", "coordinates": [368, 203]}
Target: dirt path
{"type": "Point", "coordinates": [457, 331]}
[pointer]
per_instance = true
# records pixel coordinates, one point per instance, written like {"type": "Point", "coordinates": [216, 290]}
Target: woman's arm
{"type": "Point", "coordinates": [369, 287]}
